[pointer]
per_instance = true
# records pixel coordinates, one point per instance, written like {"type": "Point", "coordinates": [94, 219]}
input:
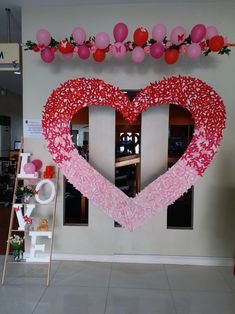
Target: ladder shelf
{"type": "Point", "coordinates": [49, 233]}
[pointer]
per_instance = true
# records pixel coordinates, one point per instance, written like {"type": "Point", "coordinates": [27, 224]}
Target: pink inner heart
{"type": "Point", "coordinates": [205, 106]}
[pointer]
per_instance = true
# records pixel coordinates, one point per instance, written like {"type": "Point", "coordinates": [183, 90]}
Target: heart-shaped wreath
{"type": "Point", "coordinates": [204, 104]}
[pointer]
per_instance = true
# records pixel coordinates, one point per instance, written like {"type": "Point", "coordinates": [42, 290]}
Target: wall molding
{"type": "Point", "coordinates": [148, 259]}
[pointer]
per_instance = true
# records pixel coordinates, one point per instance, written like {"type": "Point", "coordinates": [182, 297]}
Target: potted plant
{"type": "Point", "coordinates": [16, 243]}
{"type": "Point", "coordinates": [25, 193]}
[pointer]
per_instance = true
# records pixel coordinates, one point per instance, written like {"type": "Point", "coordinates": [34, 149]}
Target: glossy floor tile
{"type": "Point", "coordinates": [204, 302]}
{"type": "Point", "coordinates": [72, 300]}
{"type": "Point", "coordinates": [117, 288]}
{"type": "Point", "coordinates": [89, 274]}
{"type": "Point", "coordinates": [196, 278]}
{"type": "Point", "coordinates": [30, 274]}
{"type": "Point", "coordinates": [139, 276]}
{"type": "Point", "coordinates": [139, 301]}
{"type": "Point", "coordinates": [19, 299]}
{"type": "Point", "coordinates": [227, 273]}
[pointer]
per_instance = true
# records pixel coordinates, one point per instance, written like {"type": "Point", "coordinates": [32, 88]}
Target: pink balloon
{"type": "Point", "coordinates": [43, 37]}
{"type": "Point", "coordinates": [159, 32]}
{"type": "Point", "coordinates": [47, 55]}
{"type": "Point", "coordinates": [178, 35]}
{"type": "Point", "coordinates": [157, 50]}
{"type": "Point", "coordinates": [138, 54]}
{"type": "Point", "coordinates": [37, 163]}
{"type": "Point", "coordinates": [193, 51]}
{"type": "Point", "coordinates": [118, 50]}
{"type": "Point", "coordinates": [29, 168]}
{"type": "Point", "coordinates": [198, 33]}
{"type": "Point", "coordinates": [211, 31]}
{"type": "Point", "coordinates": [102, 40]}
{"type": "Point", "coordinates": [120, 32]}
{"type": "Point", "coordinates": [83, 52]}
{"type": "Point", "coordinates": [79, 35]}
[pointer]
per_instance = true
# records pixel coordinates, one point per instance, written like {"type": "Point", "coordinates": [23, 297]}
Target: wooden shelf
{"type": "Point", "coordinates": [36, 204]}
{"type": "Point", "coordinates": [15, 230]}
{"type": "Point", "coordinates": [125, 176]}
{"type": "Point", "coordinates": [173, 159]}
{"type": "Point", "coordinates": [24, 262]}
{"type": "Point", "coordinates": [34, 179]}
{"type": "Point", "coordinates": [28, 231]}
{"type": "Point", "coordinates": [127, 161]}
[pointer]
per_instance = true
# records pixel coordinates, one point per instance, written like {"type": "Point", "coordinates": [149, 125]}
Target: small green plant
{"type": "Point", "coordinates": [22, 191]}
{"type": "Point", "coordinates": [16, 242]}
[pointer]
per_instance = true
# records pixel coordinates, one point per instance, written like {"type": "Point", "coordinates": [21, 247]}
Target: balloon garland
{"type": "Point", "coordinates": [201, 40]}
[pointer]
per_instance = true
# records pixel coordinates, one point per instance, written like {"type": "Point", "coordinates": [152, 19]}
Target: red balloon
{"type": "Point", "coordinates": [37, 163]}
{"type": "Point", "coordinates": [171, 56]}
{"type": "Point", "coordinates": [216, 43]}
{"type": "Point", "coordinates": [99, 55]}
{"type": "Point", "coordinates": [65, 47]}
{"type": "Point", "coordinates": [141, 36]}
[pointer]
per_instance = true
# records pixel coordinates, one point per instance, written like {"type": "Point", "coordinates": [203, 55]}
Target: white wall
{"type": "Point", "coordinates": [11, 106]}
{"type": "Point", "coordinates": [214, 203]}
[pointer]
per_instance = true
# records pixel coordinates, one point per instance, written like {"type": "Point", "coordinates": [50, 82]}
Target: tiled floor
{"type": "Point", "coordinates": [112, 288]}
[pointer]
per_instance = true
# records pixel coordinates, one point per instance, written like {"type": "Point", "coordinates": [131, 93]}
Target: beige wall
{"type": "Point", "coordinates": [214, 203]}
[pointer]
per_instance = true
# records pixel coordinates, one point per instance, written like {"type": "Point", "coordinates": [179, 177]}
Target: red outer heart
{"type": "Point", "coordinates": [201, 100]}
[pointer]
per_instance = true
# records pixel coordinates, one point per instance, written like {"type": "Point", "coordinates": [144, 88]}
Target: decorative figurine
{"type": "Point", "coordinates": [43, 225]}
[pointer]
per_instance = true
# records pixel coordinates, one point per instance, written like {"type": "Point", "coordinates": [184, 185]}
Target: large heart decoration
{"type": "Point", "coordinates": [205, 106]}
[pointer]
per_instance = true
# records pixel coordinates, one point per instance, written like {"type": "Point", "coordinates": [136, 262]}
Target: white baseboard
{"type": "Point", "coordinates": [147, 259]}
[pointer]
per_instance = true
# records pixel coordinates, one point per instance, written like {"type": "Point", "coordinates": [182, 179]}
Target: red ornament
{"type": "Point", "coordinates": [171, 56]}
{"type": "Point", "coordinates": [202, 44]}
{"type": "Point", "coordinates": [106, 49]}
{"type": "Point", "coordinates": [89, 44]}
{"type": "Point", "coordinates": [216, 43]}
{"type": "Point", "coordinates": [99, 55]}
{"type": "Point", "coordinates": [48, 173]}
{"type": "Point", "coordinates": [140, 36]}
{"type": "Point", "coordinates": [36, 48]}
{"type": "Point", "coordinates": [65, 47]}
{"type": "Point", "coordinates": [127, 47]}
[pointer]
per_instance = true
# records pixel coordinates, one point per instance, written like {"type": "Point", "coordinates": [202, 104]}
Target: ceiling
{"type": "Point", "coordinates": [12, 81]}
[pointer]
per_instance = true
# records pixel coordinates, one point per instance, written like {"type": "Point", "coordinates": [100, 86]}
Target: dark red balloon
{"type": "Point", "coordinates": [216, 43]}
{"type": "Point", "coordinates": [141, 36]}
{"type": "Point", "coordinates": [120, 32]}
{"type": "Point", "coordinates": [99, 55]}
{"type": "Point", "coordinates": [171, 56]}
{"type": "Point", "coordinates": [65, 47]}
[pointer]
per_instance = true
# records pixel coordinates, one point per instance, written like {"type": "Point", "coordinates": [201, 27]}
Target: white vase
{"type": "Point", "coordinates": [26, 199]}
